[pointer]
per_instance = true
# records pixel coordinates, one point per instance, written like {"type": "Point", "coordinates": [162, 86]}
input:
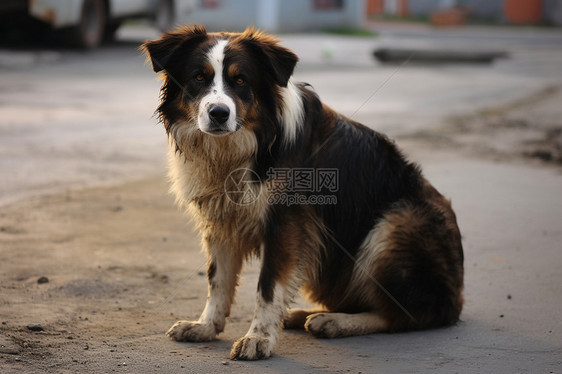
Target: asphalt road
{"type": "Point", "coordinates": [72, 119]}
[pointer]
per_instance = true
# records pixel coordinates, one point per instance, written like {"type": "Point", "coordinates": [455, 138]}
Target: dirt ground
{"type": "Point", "coordinates": [525, 128]}
{"type": "Point", "coordinates": [91, 279]}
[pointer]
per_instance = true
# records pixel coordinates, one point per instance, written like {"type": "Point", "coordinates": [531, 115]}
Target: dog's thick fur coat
{"type": "Point", "coordinates": [385, 255]}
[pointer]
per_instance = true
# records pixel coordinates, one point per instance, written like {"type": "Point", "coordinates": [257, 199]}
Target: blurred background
{"type": "Point", "coordinates": [88, 22]}
{"type": "Point", "coordinates": [77, 100]}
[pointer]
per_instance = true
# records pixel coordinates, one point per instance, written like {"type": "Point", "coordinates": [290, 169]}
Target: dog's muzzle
{"type": "Point", "coordinates": [219, 115]}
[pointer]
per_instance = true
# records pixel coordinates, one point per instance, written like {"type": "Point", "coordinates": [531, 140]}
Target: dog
{"type": "Point", "coordinates": [360, 231]}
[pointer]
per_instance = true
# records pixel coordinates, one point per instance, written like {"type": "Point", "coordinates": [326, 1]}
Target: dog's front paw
{"type": "Point", "coordinates": [323, 325]}
{"type": "Point", "coordinates": [253, 347]}
{"type": "Point", "coordinates": [186, 331]}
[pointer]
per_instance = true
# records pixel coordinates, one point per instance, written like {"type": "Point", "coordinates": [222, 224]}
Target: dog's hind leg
{"type": "Point", "coordinates": [297, 318]}
{"type": "Point", "coordinates": [223, 269]}
{"type": "Point", "coordinates": [339, 325]}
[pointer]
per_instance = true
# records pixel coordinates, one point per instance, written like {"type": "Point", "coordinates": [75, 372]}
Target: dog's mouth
{"type": "Point", "coordinates": [217, 131]}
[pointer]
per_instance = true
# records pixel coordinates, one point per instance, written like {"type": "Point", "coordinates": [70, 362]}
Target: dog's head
{"type": "Point", "coordinates": [220, 82]}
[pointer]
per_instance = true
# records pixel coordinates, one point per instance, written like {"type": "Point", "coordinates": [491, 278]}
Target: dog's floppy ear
{"type": "Point", "coordinates": [160, 50]}
{"type": "Point", "coordinates": [278, 60]}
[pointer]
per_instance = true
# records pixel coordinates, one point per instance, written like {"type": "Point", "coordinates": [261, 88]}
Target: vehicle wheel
{"type": "Point", "coordinates": [91, 26]}
{"type": "Point", "coordinates": [164, 15]}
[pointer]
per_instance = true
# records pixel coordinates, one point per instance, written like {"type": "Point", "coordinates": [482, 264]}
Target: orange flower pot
{"type": "Point", "coordinates": [522, 11]}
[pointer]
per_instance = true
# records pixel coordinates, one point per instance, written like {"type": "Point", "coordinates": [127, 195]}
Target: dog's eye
{"type": "Point", "coordinates": [199, 77]}
{"type": "Point", "coordinates": [240, 81]}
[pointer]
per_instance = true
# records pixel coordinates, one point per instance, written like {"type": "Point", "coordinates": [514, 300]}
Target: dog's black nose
{"type": "Point", "coordinates": [219, 114]}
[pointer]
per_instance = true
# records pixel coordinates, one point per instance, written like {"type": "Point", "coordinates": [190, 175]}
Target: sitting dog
{"type": "Point", "coordinates": [331, 207]}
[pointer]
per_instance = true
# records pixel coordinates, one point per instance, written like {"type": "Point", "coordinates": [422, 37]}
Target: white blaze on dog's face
{"type": "Point", "coordinates": [217, 109]}
{"type": "Point", "coordinates": [218, 83]}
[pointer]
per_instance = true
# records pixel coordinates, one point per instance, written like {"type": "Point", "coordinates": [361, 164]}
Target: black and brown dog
{"type": "Point", "coordinates": [383, 254]}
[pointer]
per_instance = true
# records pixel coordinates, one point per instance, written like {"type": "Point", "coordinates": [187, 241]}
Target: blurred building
{"type": "Point", "coordinates": [278, 15]}
{"type": "Point", "coordinates": [504, 11]}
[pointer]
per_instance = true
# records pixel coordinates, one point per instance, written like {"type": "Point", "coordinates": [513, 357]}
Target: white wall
{"type": "Point", "coordinates": [231, 15]}
{"type": "Point", "coordinates": [277, 15]}
{"type": "Point", "coordinates": [300, 15]}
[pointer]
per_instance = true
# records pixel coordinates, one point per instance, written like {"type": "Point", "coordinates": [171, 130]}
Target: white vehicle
{"type": "Point", "coordinates": [87, 22]}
